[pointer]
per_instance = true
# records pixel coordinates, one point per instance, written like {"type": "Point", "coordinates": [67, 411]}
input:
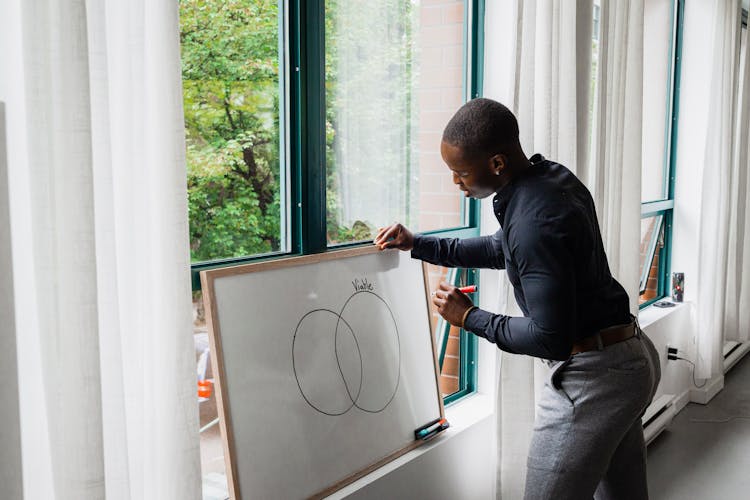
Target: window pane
{"type": "Point", "coordinates": [447, 337]}
{"type": "Point", "coordinates": [657, 69]}
{"type": "Point", "coordinates": [394, 77]}
{"type": "Point", "coordinates": [233, 114]}
{"type": "Point", "coordinates": [652, 241]}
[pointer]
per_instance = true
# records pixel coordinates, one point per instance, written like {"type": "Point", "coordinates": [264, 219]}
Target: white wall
{"type": "Point", "coordinates": [671, 327]}
{"type": "Point", "coordinates": [460, 466]}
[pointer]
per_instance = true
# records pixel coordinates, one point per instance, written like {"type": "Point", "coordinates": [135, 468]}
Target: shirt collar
{"type": "Point", "coordinates": [505, 193]}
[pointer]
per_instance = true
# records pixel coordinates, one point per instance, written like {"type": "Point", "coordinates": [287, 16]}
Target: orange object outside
{"type": "Point", "coordinates": [205, 388]}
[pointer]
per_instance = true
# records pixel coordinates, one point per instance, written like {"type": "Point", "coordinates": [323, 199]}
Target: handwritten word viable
{"type": "Point", "coordinates": [362, 285]}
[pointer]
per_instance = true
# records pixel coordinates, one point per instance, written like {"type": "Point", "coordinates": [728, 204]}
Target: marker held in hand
{"type": "Point", "coordinates": [465, 289]}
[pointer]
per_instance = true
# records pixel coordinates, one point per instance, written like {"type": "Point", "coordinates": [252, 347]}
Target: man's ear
{"type": "Point", "coordinates": [498, 163]}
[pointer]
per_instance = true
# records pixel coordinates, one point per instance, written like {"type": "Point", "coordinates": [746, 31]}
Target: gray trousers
{"type": "Point", "coordinates": [588, 437]}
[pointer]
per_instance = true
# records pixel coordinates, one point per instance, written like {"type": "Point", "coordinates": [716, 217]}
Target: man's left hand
{"type": "Point", "coordinates": [451, 303]}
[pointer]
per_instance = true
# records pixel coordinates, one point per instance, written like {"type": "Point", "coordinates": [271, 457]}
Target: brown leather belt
{"type": "Point", "coordinates": [608, 336]}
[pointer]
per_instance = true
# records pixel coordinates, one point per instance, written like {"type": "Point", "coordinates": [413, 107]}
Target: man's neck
{"type": "Point", "coordinates": [517, 164]}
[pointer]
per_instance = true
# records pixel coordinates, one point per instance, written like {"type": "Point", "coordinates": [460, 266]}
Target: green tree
{"type": "Point", "coordinates": [230, 72]}
{"type": "Point", "coordinates": [230, 76]}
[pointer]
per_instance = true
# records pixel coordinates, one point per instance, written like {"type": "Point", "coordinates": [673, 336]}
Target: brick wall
{"type": "Point", "coordinates": [652, 284]}
{"type": "Point", "coordinates": [440, 94]}
{"type": "Point", "coordinates": [451, 362]}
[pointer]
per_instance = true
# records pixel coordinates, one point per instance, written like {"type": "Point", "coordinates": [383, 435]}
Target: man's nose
{"type": "Point", "coordinates": [456, 179]}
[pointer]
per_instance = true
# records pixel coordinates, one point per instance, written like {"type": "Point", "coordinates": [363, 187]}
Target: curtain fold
{"type": "Point", "coordinates": [737, 308]}
{"type": "Point", "coordinates": [62, 216]}
{"type": "Point", "coordinates": [552, 68]}
{"type": "Point", "coordinates": [614, 177]}
{"type": "Point", "coordinates": [99, 215]}
{"type": "Point", "coordinates": [713, 244]}
{"type": "Point", "coordinates": [552, 78]}
{"type": "Point", "coordinates": [552, 82]}
{"type": "Point", "coordinates": [11, 473]}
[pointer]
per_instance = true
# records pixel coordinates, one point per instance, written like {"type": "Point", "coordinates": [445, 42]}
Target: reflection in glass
{"type": "Point", "coordinates": [394, 77]}
{"type": "Point", "coordinates": [652, 240]}
{"type": "Point", "coordinates": [447, 337]}
{"type": "Point", "coordinates": [657, 72]}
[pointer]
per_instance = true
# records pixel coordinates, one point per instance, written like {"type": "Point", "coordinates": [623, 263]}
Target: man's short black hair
{"type": "Point", "coordinates": [482, 127]}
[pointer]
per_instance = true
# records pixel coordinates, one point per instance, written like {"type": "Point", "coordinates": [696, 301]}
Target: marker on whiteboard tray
{"type": "Point", "coordinates": [431, 430]}
{"type": "Point", "coordinates": [465, 289]}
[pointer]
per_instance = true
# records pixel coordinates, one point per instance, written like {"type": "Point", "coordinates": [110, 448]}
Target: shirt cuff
{"type": "Point", "coordinates": [476, 322]}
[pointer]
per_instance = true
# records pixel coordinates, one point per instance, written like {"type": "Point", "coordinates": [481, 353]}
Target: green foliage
{"type": "Point", "coordinates": [230, 89]}
{"type": "Point", "coordinates": [230, 72]}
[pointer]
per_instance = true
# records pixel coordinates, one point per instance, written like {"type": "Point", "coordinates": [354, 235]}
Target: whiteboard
{"type": "Point", "coordinates": [326, 366]}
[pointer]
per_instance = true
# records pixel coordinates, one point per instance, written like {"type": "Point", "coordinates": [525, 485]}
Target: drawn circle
{"type": "Point", "coordinates": [341, 362]}
{"type": "Point", "coordinates": [379, 349]}
{"type": "Point", "coordinates": [321, 378]}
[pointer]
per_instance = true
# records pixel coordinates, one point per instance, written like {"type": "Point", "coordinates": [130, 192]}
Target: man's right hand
{"type": "Point", "coordinates": [394, 236]}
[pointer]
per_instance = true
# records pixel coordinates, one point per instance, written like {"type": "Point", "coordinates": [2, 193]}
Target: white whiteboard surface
{"type": "Point", "coordinates": [326, 368]}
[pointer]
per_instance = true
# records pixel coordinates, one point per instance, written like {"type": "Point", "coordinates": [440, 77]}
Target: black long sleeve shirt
{"type": "Point", "coordinates": [551, 247]}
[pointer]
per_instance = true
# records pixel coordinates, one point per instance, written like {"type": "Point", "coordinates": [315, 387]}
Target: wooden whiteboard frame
{"type": "Point", "coordinates": [217, 361]}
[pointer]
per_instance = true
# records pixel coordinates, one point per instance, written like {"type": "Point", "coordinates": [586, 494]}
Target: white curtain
{"type": "Point", "coordinates": [551, 101]}
{"type": "Point", "coordinates": [551, 64]}
{"type": "Point", "coordinates": [553, 77]}
{"type": "Point", "coordinates": [614, 177]}
{"type": "Point", "coordinates": [11, 485]}
{"type": "Point", "coordinates": [737, 309]}
{"type": "Point", "coordinates": [713, 244]}
{"type": "Point", "coordinates": [100, 249]}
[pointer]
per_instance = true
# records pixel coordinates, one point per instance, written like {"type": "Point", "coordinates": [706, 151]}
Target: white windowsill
{"type": "Point", "coordinates": [462, 415]}
{"type": "Point", "coordinates": [651, 315]}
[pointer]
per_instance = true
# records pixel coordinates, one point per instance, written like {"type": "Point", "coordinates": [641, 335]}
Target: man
{"type": "Point", "coordinates": [588, 438]}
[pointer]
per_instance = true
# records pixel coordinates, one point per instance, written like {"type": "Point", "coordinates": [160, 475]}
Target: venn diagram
{"type": "Point", "coordinates": [349, 358]}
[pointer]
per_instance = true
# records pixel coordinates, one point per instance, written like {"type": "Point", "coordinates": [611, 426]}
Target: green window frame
{"type": "Point", "coordinates": [663, 209]}
{"type": "Point", "coordinates": [301, 25]}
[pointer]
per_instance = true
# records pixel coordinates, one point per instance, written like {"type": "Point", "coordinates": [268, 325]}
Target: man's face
{"type": "Point", "coordinates": [477, 178]}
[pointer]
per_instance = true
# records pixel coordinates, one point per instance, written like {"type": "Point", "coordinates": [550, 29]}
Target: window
{"type": "Point", "coordinates": [231, 91]}
{"type": "Point", "coordinates": [455, 348]}
{"type": "Point", "coordinates": [309, 125]}
{"type": "Point", "coordinates": [651, 256]}
{"type": "Point", "coordinates": [394, 77]}
{"type": "Point", "coordinates": [661, 75]}
{"type": "Point", "coordinates": [661, 69]}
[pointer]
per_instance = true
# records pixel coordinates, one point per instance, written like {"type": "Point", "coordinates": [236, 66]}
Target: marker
{"type": "Point", "coordinates": [465, 289]}
{"type": "Point", "coordinates": [429, 428]}
{"type": "Point", "coordinates": [432, 430]}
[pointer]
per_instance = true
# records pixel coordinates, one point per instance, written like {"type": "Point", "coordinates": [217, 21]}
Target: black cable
{"type": "Point", "coordinates": [709, 420]}
{"type": "Point", "coordinates": [693, 373]}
